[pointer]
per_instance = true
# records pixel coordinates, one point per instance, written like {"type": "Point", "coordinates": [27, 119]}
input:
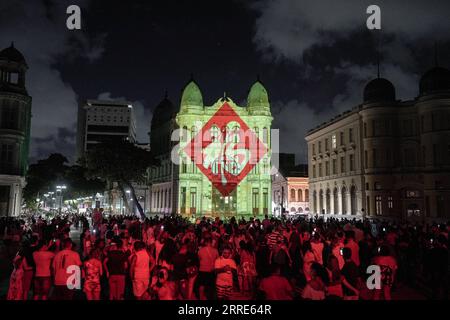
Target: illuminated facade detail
{"type": "Point", "coordinates": [15, 119]}
{"type": "Point", "coordinates": [290, 188]}
{"type": "Point", "coordinates": [247, 189]}
{"type": "Point", "coordinates": [392, 157]}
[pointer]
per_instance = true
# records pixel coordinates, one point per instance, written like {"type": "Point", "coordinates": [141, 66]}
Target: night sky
{"type": "Point", "coordinates": [314, 57]}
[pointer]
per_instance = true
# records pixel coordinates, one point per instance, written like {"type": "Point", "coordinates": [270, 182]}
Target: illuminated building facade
{"type": "Point", "coordinates": [15, 119]}
{"type": "Point", "coordinates": [385, 157]}
{"type": "Point", "coordinates": [197, 196]}
{"type": "Point", "coordinates": [290, 188]}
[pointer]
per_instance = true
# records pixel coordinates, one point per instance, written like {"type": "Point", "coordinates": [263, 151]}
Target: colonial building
{"type": "Point", "coordinates": [385, 157]}
{"type": "Point", "coordinates": [163, 177]}
{"type": "Point", "coordinates": [290, 188]}
{"type": "Point", "coordinates": [197, 194]}
{"type": "Point", "coordinates": [15, 117]}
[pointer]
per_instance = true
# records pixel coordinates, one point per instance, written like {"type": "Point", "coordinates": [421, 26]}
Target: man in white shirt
{"type": "Point", "coordinates": [225, 266]}
{"type": "Point", "coordinates": [43, 276]}
{"type": "Point", "coordinates": [207, 256]}
{"type": "Point", "coordinates": [63, 260]}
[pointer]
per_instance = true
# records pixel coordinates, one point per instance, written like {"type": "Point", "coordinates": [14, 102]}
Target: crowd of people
{"type": "Point", "coordinates": [171, 258]}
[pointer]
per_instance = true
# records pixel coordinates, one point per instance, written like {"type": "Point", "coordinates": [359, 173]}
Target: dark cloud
{"type": "Point", "coordinates": [335, 54]}
{"type": "Point", "coordinates": [39, 31]}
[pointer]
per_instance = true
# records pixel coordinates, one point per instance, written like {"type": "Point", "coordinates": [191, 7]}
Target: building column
{"type": "Point", "coordinates": [332, 209]}
{"type": "Point", "coordinates": [349, 202]}
{"type": "Point", "coordinates": [325, 207]}
{"type": "Point", "coordinates": [339, 209]}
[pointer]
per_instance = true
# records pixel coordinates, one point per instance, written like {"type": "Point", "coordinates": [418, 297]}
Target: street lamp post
{"type": "Point", "coordinates": [60, 189]}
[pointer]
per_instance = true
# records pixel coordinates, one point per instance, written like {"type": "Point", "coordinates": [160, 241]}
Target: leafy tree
{"type": "Point", "coordinates": [45, 174]}
{"type": "Point", "coordinates": [42, 176]}
{"type": "Point", "coordinates": [121, 162]}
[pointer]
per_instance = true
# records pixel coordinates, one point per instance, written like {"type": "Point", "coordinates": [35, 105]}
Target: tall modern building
{"type": "Point", "coordinates": [15, 118]}
{"type": "Point", "coordinates": [199, 194]}
{"type": "Point", "coordinates": [106, 120]}
{"type": "Point", "coordinates": [386, 157]}
{"type": "Point", "coordinates": [163, 177]}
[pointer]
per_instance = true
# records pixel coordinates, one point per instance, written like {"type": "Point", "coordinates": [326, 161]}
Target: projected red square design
{"type": "Point", "coordinates": [225, 149]}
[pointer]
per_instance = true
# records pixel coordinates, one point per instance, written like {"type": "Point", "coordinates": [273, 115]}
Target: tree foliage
{"type": "Point", "coordinates": [46, 174]}
{"type": "Point", "coordinates": [121, 162]}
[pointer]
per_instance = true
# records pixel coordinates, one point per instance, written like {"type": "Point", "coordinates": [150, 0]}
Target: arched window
{"type": "Point", "coordinates": [236, 134]}
{"type": "Point", "coordinates": [265, 135]}
{"type": "Point", "coordinates": [300, 195]}
{"type": "Point", "coordinates": [292, 194]}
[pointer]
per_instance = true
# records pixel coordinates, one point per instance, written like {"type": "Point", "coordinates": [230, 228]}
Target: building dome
{"type": "Point", "coordinates": [12, 54]}
{"type": "Point", "coordinates": [435, 80]}
{"type": "Point", "coordinates": [164, 112]}
{"type": "Point", "coordinates": [258, 95]}
{"type": "Point", "coordinates": [192, 95]}
{"type": "Point", "coordinates": [379, 90]}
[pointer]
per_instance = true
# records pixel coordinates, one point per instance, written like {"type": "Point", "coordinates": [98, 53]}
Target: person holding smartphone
{"type": "Point", "coordinates": [226, 270]}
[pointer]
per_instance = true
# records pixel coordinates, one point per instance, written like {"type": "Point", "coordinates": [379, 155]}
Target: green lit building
{"type": "Point", "coordinates": [197, 196]}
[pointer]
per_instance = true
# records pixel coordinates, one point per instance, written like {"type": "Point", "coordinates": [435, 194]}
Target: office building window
{"type": "Point", "coordinates": [320, 146]}
{"type": "Point", "coordinates": [352, 162]}
{"type": "Point", "coordinates": [334, 166]}
{"type": "Point", "coordinates": [320, 170]}
{"type": "Point", "coordinates": [390, 202]}
{"type": "Point", "coordinates": [326, 144]}
{"type": "Point", "coordinates": [327, 168]}
{"type": "Point", "coordinates": [314, 171]}
{"type": "Point", "coordinates": [377, 186]}
{"type": "Point", "coordinates": [341, 134]}
{"type": "Point", "coordinates": [342, 164]}
{"type": "Point", "coordinates": [350, 135]}
{"type": "Point", "coordinates": [333, 141]}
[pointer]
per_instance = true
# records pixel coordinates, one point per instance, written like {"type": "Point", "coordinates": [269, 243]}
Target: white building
{"type": "Point", "coordinates": [100, 121]}
{"type": "Point", "coordinates": [385, 157]}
